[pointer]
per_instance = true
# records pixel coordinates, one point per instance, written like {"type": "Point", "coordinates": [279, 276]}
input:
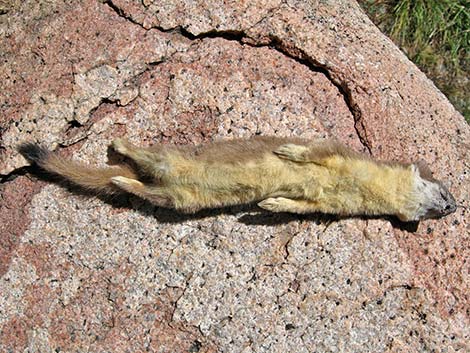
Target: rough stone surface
{"type": "Point", "coordinates": [79, 273]}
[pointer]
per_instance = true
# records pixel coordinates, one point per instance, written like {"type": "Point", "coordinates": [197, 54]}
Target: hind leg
{"type": "Point", "coordinates": [151, 163]}
{"type": "Point", "coordinates": [282, 204]}
{"type": "Point", "coordinates": [156, 195]}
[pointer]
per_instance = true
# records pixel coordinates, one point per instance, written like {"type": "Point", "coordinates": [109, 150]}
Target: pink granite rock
{"type": "Point", "coordinates": [79, 273]}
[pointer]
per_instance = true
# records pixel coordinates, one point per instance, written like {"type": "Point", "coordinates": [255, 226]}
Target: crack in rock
{"type": "Point", "coordinates": [279, 45]}
{"type": "Point", "coordinates": [120, 12]}
{"type": "Point", "coordinates": [81, 120]}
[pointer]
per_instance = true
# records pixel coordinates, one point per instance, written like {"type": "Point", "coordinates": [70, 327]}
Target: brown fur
{"type": "Point", "coordinates": [285, 174]}
{"type": "Point", "coordinates": [97, 179]}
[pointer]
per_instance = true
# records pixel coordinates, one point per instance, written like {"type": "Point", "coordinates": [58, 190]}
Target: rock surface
{"type": "Point", "coordinates": [79, 273]}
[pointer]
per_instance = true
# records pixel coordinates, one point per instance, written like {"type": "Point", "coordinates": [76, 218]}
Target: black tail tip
{"type": "Point", "coordinates": [33, 152]}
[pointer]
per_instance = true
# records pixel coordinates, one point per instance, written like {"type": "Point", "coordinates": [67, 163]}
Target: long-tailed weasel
{"type": "Point", "coordinates": [282, 174]}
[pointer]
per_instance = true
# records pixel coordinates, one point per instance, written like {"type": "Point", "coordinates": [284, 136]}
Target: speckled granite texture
{"type": "Point", "coordinates": [84, 274]}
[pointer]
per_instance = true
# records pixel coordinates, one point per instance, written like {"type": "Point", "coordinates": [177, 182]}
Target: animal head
{"type": "Point", "coordinates": [430, 198]}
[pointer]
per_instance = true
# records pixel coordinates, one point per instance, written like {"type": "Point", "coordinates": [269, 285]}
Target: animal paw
{"type": "Point", "coordinates": [292, 152]}
{"type": "Point", "coordinates": [275, 204]}
{"type": "Point", "coordinates": [125, 183]}
{"type": "Point", "coordinates": [121, 146]}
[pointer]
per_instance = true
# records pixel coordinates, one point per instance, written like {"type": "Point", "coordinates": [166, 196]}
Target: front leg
{"type": "Point", "coordinates": [317, 152]}
{"type": "Point", "coordinates": [282, 204]}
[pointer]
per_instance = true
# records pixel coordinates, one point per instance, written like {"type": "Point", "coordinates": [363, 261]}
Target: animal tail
{"type": "Point", "coordinates": [97, 179]}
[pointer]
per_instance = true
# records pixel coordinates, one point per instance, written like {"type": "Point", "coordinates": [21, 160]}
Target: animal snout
{"type": "Point", "coordinates": [450, 205]}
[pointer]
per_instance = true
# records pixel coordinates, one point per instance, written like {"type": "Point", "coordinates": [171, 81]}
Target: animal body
{"type": "Point", "coordinates": [281, 174]}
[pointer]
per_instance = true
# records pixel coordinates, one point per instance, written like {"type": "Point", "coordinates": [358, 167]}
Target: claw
{"type": "Point", "coordinates": [126, 183]}
{"type": "Point", "coordinates": [119, 145]}
{"type": "Point", "coordinates": [292, 152]}
{"type": "Point", "coordinates": [274, 204]}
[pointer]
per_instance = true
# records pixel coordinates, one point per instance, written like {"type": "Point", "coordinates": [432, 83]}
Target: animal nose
{"type": "Point", "coordinates": [451, 207]}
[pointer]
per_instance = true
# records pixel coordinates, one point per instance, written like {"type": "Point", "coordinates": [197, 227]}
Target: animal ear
{"type": "Point", "coordinates": [424, 170]}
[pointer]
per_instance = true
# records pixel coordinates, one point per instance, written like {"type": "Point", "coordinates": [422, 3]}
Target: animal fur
{"type": "Point", "coordinates": [282, 174]}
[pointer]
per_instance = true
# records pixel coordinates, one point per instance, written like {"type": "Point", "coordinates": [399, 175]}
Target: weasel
{"type": "Point", "coordinates": [281, 174]}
